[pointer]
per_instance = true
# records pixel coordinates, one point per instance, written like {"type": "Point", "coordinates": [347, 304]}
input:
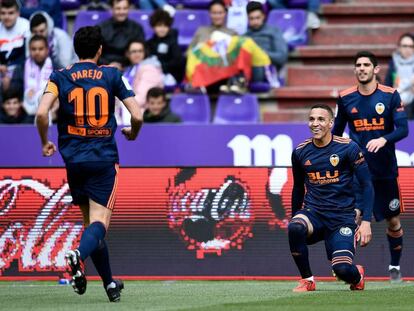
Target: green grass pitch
{"type": "Point", "coordinates": [207, 295]}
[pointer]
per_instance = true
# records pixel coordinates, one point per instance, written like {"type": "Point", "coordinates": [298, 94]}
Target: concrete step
{"type": "Point", "coordinates": [369, 12]}
{"type": "Point", "coordinates": [323, 75]}
{"type": "Point", "coordinates": [340, 54]}
{"type": "Point", "coordinates": [285, 115]}
{"type": "Point", "coordinates": [305, 96]}
{"type": "Point", "coordinates": [360, 34]}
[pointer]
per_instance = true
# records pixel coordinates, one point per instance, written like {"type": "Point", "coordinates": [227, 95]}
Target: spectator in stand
{"type": "Point", "coordinates": [143, 73]}
{"type": "Point", "coordinates": [51, 7]}
{"type": "Point", "coordinates": [219, 59]}
{"type": "Point", "coordinates": [35, 73]}
{"type": "Point", "coordinates": [313, 21]}
{"type": "Point", "coordinates": [158, 110]}
{"type": "Point", "coordinates": [12, 111]}
{"type": "Point", "coordinates": [164, 45]}
{"type": "Point", "coordinates": [218, 14]}
{"type": "Point", "coordinates": [269, 38]}
{"type": "Point", "coordinates": [400, 73]}
{"type": "Point", "coordinates": [14, 31]}
{"type": "Point", "coordinates": [151, 5]}
{"type": "Point", "coordinates": [60, 44]}
{"type": "Point", "coordinates": [117, 33]}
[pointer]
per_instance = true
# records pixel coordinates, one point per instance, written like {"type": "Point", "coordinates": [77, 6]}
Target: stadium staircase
{"type": "Point", "coordinates": [318, 72]}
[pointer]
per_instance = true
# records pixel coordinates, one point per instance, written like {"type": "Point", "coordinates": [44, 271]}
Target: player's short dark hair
{"type": "Point", "coordinates": [373, 59]}
{"type": "Point", "coordinates": [38, 38]}
{"type": "Point", "coordinates": [219, 2]}
{"type": "Point", "coordinates": [112, 2]}
{"type": "Point", "coordinates": [12, 92]}
{"type": "Point", "coordinates": [324, 107]}
{"type": "Point", "coordinates": [87, 41]}
{"type": "Point", "coordinates": [156, 92]}
{"type": "Point", "coordinates": [254, 6]}
{"type": "Point", "coordinates": [9, 4]}
{"type": "Point", "coordinates": [161, 17]}
{"type": "Point", "coordinates": [37, 20]}
{"type": "Point", "coordinates": [406, 35]}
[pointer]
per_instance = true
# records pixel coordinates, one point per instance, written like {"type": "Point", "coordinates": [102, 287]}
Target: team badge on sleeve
{"type": "Point", "coordinates": [334, 159]}
{"type": "Point", "coordinates": [379, 108]}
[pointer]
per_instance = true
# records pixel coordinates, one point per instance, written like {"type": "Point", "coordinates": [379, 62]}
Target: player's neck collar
{"type": "Point", "coordinates": [367, 91]}
{"type": "Point", "coordinates": [323, 146]}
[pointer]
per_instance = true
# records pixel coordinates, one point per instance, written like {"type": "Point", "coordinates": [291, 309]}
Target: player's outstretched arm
{"type": "Point", "coordinates": [42, 123]}
{"type": "Point", "coordinates": [131, 133]}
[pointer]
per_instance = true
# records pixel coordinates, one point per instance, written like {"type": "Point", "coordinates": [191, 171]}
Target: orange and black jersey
{"type": "Point", "coordinates": [328, 172]}
{"type": "Point", "coordinates": [380, 114]}
{"type": "Point", "coordinates": [86, 121]}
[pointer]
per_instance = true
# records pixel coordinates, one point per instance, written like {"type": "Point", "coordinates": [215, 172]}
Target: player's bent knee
{"type": "Point", "coordinates": [342, 269]}
{"type": "Point", "coordinates": [297, 229]}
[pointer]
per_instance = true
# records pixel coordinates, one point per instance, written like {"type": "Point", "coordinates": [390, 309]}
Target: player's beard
{"type": "Point", "coordinates": [370, 78]}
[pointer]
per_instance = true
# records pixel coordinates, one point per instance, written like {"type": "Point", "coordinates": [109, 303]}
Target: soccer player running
{"type": "Point", "coordinates": [86, 127]}
{"type": "Point", "coordinates": [376, 119]}
{"type": "Point", "coordinates": [326, 165]}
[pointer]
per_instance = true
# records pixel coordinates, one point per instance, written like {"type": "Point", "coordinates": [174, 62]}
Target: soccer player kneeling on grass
{"type": "Point", "coordinates": [326, 165]}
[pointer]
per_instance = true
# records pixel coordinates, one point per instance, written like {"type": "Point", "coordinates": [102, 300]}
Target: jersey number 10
{"type": "Point", "coordinates": [94, 95]}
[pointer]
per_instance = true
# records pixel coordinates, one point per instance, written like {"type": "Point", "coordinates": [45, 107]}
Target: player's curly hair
{"type": "Point", "coordinates": [87, 41]}
{"type": "Point", "coordinates": [160, 17]}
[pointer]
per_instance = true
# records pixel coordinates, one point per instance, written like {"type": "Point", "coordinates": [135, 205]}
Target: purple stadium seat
{"type": "Point", "coordinates": [192, 108]}
{"type": "Point", "coordinates": [64, 22]}
{"type": "Point", "coordinates": [142, 17]}
{"type": "Point", "coordinates": [70, 4]}
{"type": "Point", "coordinates": [293, 25]}
{"type": "Point", "coordinates": [187, 23]}
{"type": "Point", "coordinates": [196, 4]}
{"type": "Point", "coordinates": [237, 109]}
{"type": "Point", "coordinates": [259, 87]}
{"type": "Point", "coordinates": [89, 18]}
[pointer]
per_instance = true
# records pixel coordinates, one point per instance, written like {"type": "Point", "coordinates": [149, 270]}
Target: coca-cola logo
{"type": "Point", "coordinates": [210, 219]}
{"type": "Point", "coordinates": [38, 241]}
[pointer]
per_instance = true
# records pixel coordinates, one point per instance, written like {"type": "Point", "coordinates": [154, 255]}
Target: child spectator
{"type": "Point", "coordinates": [12, 111]}
{"type": "Point", "coordinates": [158, 110]}
{"type": "Point", "coordinates": [164, 45]}
{"type": "Point", "coordinates": [142, 74]}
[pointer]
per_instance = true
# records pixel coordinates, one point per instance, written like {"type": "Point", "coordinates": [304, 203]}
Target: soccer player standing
{"type": "Point", "coordinates": [326, 165]}
{"type": "Point", "coordinates": [376, 121]}
{"type": "Point", "coordinates": [86, 127]}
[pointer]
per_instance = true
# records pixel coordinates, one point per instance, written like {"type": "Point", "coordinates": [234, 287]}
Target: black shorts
{"type": "Point", "coordinates": [93, 180]}
{"type": "Point", "coordinates": [387, 202]}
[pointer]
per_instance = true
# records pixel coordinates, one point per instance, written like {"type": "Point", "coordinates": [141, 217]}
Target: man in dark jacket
{"type": "Point", "coordinates": [158, 110]}
{"type": "Point", "coordinates": [164, 44]}
{"type": "Point", "coordinates": [269, 38]}
{"type": "Point", "coordinates": [117, 33]}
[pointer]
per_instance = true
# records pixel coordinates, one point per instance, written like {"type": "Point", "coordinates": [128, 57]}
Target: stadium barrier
{"type": "Point", "coordinates": [174, 223]}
